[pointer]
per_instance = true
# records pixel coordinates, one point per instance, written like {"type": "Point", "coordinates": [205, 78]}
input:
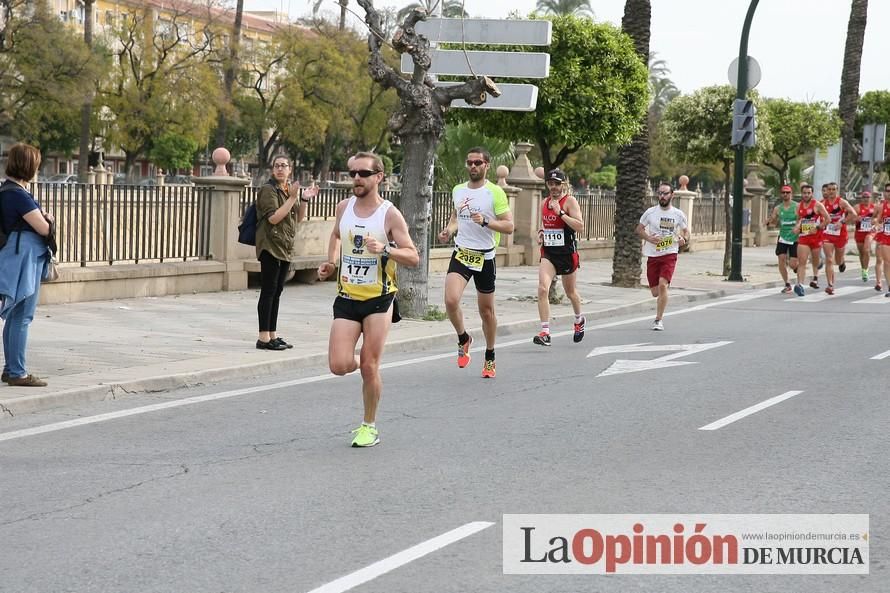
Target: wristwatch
{"type": "Point", "coordinates": [562, 212]}
{"type": "Point", "coordinates": [385, 250]}
{"type": "Point", "coordinates": [484, 221]}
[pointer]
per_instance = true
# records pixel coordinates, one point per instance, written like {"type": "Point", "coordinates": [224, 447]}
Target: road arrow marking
{"type": "Point", "coordinates": [881, 356]}
{"type": "Point", "coordinates": [632, 366]}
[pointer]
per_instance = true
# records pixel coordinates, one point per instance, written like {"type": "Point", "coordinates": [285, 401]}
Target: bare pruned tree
{"type": "Point", "coordinates": [418, 123]}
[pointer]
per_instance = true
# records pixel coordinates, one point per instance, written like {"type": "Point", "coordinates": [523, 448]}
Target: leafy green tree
{"type": "Point", "coordinates": [596, 94]}
{"type": "Point", "coordinates": [451, 155]}
{"type": "Point", "coordinates": [798, 128]}
{"type": "Point", "coordinates": [579, 8]}
{"type": "Point", "coordinates": [172, 152]}
{"type": "Point", "coordinates": [41, 83]}
{"type": "Point", "coordinates": [450, 9]}
{"type": "Point", "coordinates": [605, 177]}
{"type": "Point", "coordinates": [697, 128]}
{"type": "Point", "coordinates": [161, 82]}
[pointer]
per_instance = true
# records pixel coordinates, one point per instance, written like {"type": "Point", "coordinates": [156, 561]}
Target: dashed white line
{"type": "Point", "coordinates": [386, 565]}
{"type": "Point", "coordinates": [750, 410]}
{"type": "Point", "coordinates": [881, 356]}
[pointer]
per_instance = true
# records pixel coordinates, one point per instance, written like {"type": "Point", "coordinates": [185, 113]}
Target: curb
{"type": "Point", "coordinates": [94, 393]}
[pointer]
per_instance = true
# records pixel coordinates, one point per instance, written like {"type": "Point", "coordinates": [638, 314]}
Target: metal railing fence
{"type": "Point", "coordinates": [128, 223]}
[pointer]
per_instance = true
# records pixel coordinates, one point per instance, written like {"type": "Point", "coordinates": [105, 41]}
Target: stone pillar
{"type": "Point", "coordinates": [685, 200]}
{"type": "Point", "coordinates": [101, 177]}
{"type": "Point", "coordinates": [91, 177]}
{"type": "Point", "coordinates": [159, 177]}
{"type": "Point", "coordinates": [225, 214]}
{"type": "Point", "coordinates": [512, 192]}
{"type": "Point", "coordinates": [527, 210]}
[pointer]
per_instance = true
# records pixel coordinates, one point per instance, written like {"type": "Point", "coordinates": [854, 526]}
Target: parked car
{"type": "Point", "coordinates": [178, 180]}
{"type": "Point", "coordinates": [62, 178]}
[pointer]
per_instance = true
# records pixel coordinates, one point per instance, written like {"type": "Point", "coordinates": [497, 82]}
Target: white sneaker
{"type": "Point", "coordinates": [658, 326]}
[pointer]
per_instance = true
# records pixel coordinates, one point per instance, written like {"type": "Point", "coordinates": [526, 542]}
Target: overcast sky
{"type": "Point", "coordinates": [798, 43]}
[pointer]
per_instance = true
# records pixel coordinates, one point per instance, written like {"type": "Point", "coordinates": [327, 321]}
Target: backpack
{"type": "Point", "coordinates": [247, 228]}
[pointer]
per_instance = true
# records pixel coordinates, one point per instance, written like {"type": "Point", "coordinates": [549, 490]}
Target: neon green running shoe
{"type": "Point", "coordinates": [865, 275]}
{"type": "Point", "coordinates": [365, 436]}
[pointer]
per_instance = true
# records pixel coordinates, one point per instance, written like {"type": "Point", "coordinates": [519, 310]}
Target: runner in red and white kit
{"type": "Point", "coordinates": [882, 237]}
{"type": "Point", "coordinates": [865, 235]}
{"type": "Point", "coordinates": [834, 233]}
{"type": "Point", "coordinates": [810, 215]}
{"type": "Point", "coordinates": [560, 219]}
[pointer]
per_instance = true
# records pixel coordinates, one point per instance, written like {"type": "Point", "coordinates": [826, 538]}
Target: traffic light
{"type": "Point", "coordinates": [744, 125]}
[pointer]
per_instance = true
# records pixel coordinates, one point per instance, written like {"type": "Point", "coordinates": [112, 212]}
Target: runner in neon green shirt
{"type": "Point", "coordinates": [785, 215]}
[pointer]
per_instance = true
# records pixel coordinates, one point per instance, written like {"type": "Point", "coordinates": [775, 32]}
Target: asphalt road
{"type": "Point", "coordinates": [252, 487]}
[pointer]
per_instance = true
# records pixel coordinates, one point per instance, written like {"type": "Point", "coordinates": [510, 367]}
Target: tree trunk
{"type": "Point", "coordinates": [849, 99]}
{"type": "Point", "coordinates": [416, 206]}
{"type": "Point", "coordinates": [229, 76]}
{"type": "Point", "coordinates": [727, 216]}
{"type": "Point", "coordinates": [129, 163]}
{"type": "Point", "coordinates": [633, 165]}
{"type": "Point", "coordinates": [86, 112]}
{"type": "Point", "coordinates": [326, 155]}
{"type": "Point", "coordinates": [343, 5]}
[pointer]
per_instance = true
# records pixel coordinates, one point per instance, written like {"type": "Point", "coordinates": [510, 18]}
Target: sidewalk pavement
{"type": "Point", "coordinates": [106, 349]}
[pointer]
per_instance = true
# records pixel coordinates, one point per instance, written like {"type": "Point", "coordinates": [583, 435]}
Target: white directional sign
{"type": "Point", "coordinates": [495, 64]}
{"type": "Point", "coordinates": [669, 360]}
{"type": "Point", "coordinates": [514, 97]}
{"type": "Point", "coordinates": [508, 64]}
{"type": "Point", "coordinates": [487, 31]}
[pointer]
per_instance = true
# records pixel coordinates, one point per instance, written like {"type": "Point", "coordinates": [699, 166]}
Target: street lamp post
{"type": "Point", "coordinates": [738, 185]}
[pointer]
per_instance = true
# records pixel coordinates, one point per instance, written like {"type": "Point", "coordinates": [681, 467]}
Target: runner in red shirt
{"type": "Point", "coordinates": [883, 235]}
{"type": "Point", "coordinates": [810, 215]}
{"type": "Point", "coordinates": [560, 221]}
{"type": "Point", "coordinates": [834, 233]}
{"type": "Point", "coordinates": [865, 235]}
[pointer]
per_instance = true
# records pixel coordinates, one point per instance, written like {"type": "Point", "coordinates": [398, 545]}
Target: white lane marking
{"type": "Point", "coordinates": [881, 356]}
{"type": "Point", "coordinates": [386, 565]}
{"type": "Point", "coordinates": [751, 410]}
{"type": "Point", "coordinates": [878, 299]}
{"type": "Point", "coordinates": [27, 432]}
{"type": "Point", "coordinates": [816, 297]}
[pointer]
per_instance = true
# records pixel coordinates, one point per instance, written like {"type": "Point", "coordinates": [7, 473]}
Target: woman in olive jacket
{"type": "Point", "coordinates": [278, 216]}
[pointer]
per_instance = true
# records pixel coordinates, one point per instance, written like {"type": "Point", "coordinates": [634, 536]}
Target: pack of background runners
{"type": "Point", "coordinates": [817, 232]}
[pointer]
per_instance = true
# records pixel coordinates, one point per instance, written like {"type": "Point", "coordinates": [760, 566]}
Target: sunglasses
{"type": "Point", "coordinates": [664, 193]}
{"type": "Point", "coordinates": [786, 193]}
{"type": "Point", "coordinates": [281, 166]}
{"type": "Point", "coordinates": [475, 163]}
{"type": "Point", "coordinates": [363, 173]}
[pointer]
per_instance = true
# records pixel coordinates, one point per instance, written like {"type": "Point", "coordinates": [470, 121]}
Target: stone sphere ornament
{"type": "Point", "coordinates": [221, 157]}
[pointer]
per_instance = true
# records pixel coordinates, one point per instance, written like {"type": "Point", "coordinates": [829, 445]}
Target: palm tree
{"type": "Point", "coordinates": [849, 99]}
{"type": "Point", "coordinates": [565, 7]}
{"type": "Point", "coordinates": [661, 88]}
{"type": "Point", "coordinates": [633, 164]}
{"type": "Point", "coordinates": [453, 9]}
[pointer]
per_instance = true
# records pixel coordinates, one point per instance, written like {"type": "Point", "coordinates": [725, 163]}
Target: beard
{"type": "Point", "coordinates": [664, 203]}
{"type": "Point", "coordinates": [359, 190]}
{"type": "Point", "coordinates": [477, 175]}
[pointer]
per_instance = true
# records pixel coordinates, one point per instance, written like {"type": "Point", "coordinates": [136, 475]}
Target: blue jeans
{"type": "Point", "coordinates": [15, 335]}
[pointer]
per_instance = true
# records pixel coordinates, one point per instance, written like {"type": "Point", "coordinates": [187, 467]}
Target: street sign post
{"type": "Point", "coordinates": [496, 64]}
{"type": "Point", "coordinates": [874, 137]}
